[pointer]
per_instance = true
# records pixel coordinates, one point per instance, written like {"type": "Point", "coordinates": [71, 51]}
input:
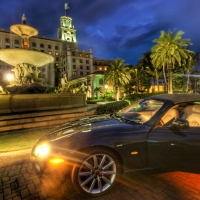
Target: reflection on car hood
{"type": "Point", "coordinates": [83, 125]}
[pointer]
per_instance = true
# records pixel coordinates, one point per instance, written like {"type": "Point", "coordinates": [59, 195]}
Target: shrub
{"type": "Point", "coordinates": [136, 97]}
{"type": "Point", "coordinates": [111, 108]}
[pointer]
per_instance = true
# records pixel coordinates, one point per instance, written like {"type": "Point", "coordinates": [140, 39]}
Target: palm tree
{"type": "Point", "coordinates": [139, 76]}
{"type": "Point", "coordinates": [170, 50]}
{"type": "Point", "coordinates": [117, 74]}
{"type": "Point", "coordinates": [179, 79]}
{"type": "Point", "coordinates": [189, 64]}
{"type": "Point", "coordinates": [154, 72]}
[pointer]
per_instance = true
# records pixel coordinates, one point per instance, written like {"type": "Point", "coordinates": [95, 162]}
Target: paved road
{"type": "Point", "coordinates": [18, 181]}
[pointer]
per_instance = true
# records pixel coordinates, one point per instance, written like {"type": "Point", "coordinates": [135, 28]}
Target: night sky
{"type": "Point", "coordinates": [112, 28]}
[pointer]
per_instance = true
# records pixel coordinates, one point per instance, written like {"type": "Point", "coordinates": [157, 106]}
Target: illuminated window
{"type": "Point", "coordinates": [105, 68]}
{"type": "Point", "coordinates": [80, 55]}
{"type": "Point", "coordinates": [87, 56]}
{"type": "Point", "coordinates": [57, 64]}
{"type": "Point", "coordinates": [57, 53]}
{"type": "Point", "coordinates": [49, 52]}
{"type": "Point", "coordinates": [74, 73]}
{"type": "Point", "coordinates": [100, 68]}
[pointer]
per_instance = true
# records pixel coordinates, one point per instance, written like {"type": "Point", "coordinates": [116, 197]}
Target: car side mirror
{"type": "Point", "coordinates": [179, 123]}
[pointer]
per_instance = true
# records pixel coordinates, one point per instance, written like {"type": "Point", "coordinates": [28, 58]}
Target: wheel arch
{"type": "Point", "coordinates": [85, 149]}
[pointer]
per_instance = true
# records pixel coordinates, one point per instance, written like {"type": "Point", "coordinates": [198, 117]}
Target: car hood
{"type": "Point", "coordinates": [88, 126]}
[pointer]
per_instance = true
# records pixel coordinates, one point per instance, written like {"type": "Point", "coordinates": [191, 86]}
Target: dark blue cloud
{"type": "Point", "coordinates": [114, 28]}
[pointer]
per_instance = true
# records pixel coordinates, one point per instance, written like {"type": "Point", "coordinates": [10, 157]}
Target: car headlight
{"type": "Point", "coordinates": [41, 150]}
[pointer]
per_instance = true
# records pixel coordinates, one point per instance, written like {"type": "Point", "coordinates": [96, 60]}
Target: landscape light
{"type": "Point", "coordinates": [10, 77]}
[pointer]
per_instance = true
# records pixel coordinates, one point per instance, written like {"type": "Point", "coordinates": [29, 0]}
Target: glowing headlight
{"type": "Point", "coordinates": [41, 150]}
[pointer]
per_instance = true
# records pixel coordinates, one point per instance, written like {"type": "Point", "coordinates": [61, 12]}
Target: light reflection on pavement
{"type": "Point", "coordinates": [19, 181]}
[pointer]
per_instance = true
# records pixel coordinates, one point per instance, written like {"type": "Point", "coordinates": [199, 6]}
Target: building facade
{"type": "Point", "coordinates": [79, 66]}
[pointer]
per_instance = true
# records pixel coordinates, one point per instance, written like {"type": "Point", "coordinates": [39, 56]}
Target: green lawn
{"type": "Point", "coordinates": [18, 140]}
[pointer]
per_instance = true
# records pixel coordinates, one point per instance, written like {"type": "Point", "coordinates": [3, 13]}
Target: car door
{"type": "Point", "coordinates": [174, 149]}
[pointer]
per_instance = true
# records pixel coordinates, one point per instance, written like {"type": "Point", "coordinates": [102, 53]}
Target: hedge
{"type": "Point", "coordinates": [111, 108]}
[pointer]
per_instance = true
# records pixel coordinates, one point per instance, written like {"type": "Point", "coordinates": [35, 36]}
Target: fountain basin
{"type": "Point", "coordinates": [18, 56]}
{"type": "Point", "coordinates": [23, 30]}
{"type": "Point", "coordinates": [38, 102]}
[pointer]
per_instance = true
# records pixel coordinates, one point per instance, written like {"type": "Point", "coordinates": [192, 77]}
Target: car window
{"type": "Point", "coordinates": [142, 111]}
{"type": "Point", "coordinates": [148, 105]}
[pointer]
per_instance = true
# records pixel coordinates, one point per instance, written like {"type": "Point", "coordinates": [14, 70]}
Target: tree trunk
{"type": "Point", "coordinates": [117, 93]}
{"type": "Point", "coordinates": [157, 85]}
{"type": "Point", "coordinates": [137, 86]}
{"type": "Point", "coordinates": [165, 80]}
{"type": "Point", "coordinates": [170, 91]}
{"type": "Point", "coordinates": [188, 80]}
{"type": "Point", "coordinates": [154, 85]}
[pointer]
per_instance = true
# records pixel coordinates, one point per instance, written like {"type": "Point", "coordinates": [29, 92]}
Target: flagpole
{"type": "Point", "coordinates": [66, 7]}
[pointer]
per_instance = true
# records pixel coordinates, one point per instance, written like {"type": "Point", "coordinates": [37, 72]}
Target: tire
{"type": "Point", "coordinates": [96, 173]}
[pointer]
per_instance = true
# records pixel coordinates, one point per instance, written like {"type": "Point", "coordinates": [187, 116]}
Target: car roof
{"type": "Point", "coordinates": [177, 98]}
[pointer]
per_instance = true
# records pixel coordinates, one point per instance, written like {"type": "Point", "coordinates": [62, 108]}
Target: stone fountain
{"type": "Point", "coordinates": [24, 60]}
{"type": "Point", "coordinates": [26, 63]}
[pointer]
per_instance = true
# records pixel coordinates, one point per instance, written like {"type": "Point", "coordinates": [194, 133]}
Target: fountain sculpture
{"type": "Point", "coordinates": [24, 60]}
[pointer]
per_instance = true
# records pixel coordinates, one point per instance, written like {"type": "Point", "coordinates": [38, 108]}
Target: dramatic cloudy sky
{"type": "Point", "coordinates": [112, 28]}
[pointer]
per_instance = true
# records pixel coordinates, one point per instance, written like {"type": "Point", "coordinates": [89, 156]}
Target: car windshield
{"type": "Point", "coordinates": [141, 112]}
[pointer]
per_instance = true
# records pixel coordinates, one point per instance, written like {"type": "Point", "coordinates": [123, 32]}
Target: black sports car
{"type": "Point", "coordinates": [161, 131]}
